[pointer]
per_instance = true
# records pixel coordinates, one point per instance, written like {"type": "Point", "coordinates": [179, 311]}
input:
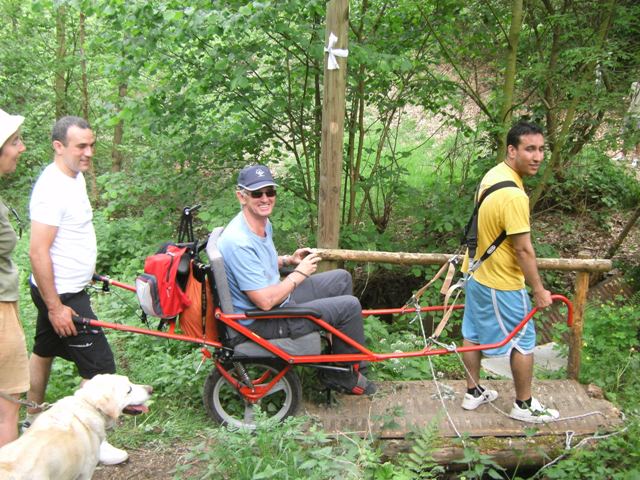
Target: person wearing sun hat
{"type": "Point", "coordinates": [14, 366]}
{"type": "Point", "coordinates": [254, 279]}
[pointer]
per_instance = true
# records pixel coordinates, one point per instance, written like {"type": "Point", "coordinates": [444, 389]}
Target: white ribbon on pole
{"type": "Point", "coordinates": [332, 62]}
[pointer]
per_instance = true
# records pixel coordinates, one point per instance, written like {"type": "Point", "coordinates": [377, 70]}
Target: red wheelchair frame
{"type": "Point", "coordinates": [276, 374]}
{"type": "Point", "coordinates": [240, 380]}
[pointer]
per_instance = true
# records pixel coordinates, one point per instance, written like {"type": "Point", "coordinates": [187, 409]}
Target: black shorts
{"type": "Point", "coordinates": [89, 350]}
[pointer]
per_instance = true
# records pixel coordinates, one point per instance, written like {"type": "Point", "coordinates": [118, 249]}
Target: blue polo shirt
{"type": "Point", "coordinates": [251, 261]}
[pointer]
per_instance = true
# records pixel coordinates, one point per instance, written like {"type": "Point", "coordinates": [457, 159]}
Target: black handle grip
{"type": "Point", "coordinates": [84, 322]}
{"type": "Point", "coordinates": [190, 210]}
{"type": "Point", "coordinates": [79, 320]}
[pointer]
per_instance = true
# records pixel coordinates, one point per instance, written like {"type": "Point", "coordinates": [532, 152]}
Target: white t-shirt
{"type": "Point", "coordinates": [62, 201]}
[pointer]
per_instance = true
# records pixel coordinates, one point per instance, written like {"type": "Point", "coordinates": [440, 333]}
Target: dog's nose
{"type": "Point", "coordinates": [148, 388]}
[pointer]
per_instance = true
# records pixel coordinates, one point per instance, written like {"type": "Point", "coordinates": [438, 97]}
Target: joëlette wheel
{"type": "Point", "coordinates": [228, 407]}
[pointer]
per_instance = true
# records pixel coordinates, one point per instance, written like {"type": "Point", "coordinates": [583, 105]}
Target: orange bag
{"type": "Point", "coordinates": [191, 320]}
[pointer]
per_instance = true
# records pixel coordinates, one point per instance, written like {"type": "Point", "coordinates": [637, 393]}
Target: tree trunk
{"type": "Point", "coordinates": [587, 73]}
{"type": "Point", "coordinates": [509, 78]}
{"type": "Point", "coordinates": [91, 173]}
{"type": "Point", "coordinates": [332, 130]}
{"type": "Point", "coordinates": [118, 133]}
{"type": "Point", "coordinates": [611, 251]}
{"type": "Point", "coordinates": [61, 53]}
{"type": "Point", "coordinates": [615, 245]}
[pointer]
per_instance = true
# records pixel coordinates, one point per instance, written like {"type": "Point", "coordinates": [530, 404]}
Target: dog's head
{"type": "Point", "coordinates": [115, 394]}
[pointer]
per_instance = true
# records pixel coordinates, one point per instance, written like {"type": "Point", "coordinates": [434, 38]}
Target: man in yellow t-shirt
{"type": "Point", "coordinates": [496, 298]}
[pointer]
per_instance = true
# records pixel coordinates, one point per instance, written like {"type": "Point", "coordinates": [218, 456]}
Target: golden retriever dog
{"type": "Point", "coordinates": [63, 443]}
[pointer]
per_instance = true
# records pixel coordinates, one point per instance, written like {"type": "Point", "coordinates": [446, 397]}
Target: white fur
{"type": "Point", "coordinates": [63, 443]}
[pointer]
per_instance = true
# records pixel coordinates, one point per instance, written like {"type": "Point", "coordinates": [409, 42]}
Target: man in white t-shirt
{"type": "Point", "coordinates": [63, 258]}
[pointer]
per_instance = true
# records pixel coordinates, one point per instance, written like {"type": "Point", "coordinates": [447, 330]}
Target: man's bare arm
{"type": "Point", "coordinates": [42, 237]}
{"type": "Point", "coordinates": [526, 257]}
{"type": "Point", "coordinates": [273, 295]}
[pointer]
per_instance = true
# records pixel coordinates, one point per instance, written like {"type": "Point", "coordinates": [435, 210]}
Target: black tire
{"type": "Point", "coordinates": [227, 406]}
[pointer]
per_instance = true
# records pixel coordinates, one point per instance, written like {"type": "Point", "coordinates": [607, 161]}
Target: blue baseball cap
{"type": "Point", "coordinates": [255, 177]}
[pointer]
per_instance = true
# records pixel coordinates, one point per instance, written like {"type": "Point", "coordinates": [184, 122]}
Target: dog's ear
{"type": "Point", "coordinates": [104, 393]}
{"type": "Point", "coordinates": [108, 405]}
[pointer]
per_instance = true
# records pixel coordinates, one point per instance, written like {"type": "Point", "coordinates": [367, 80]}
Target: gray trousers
{"type": "Point", "coordinates": [330, 293]}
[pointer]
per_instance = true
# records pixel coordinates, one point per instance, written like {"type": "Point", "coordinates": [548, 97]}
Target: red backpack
{"type": "Point", "coordinates": [158, 290]}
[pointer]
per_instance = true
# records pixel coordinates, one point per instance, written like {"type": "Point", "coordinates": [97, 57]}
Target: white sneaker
{"type": "Point", "coordinates": [110, 455]}
{"type": "Point", "coordinates": [536, 413]}
{"type": "Point", "coordinates": [471, 403]}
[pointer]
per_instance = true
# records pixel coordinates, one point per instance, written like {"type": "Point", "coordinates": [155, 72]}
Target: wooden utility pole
{"type": "Point", "coordinates": [333, 110]}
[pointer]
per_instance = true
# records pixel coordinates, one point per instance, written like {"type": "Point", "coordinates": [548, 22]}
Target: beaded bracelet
{"type": "Point", "coordinates": [295, 284]}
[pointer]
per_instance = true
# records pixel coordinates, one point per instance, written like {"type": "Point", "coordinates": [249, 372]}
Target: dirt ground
{"type": "Point", "coordinates": [143, 464]}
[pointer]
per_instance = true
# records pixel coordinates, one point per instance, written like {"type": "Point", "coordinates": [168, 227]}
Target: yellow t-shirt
{"type": "Point", "coordinates": [506, 209]}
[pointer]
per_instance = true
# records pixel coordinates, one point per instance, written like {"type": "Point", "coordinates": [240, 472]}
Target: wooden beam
{"type": "Point", "coordinates": [333, 110]}
{"type": "Point", "coordinates": [405, 258]}
{"type": "Point", "coordinates": [575, 340]}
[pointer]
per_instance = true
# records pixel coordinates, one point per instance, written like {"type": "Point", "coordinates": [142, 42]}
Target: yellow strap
{"type": "Point", "coordinates": [448, 310]}
{"type": "Point", "coordinates": [418, 294]}
{"type": "Point", "coordinates": [448, 279]}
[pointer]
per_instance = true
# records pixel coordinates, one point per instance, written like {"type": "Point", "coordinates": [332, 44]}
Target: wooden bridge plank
{"type": "Point", "coordinates": [400, 407]}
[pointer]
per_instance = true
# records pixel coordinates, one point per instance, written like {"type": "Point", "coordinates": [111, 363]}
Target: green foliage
{"type": "Point", "coordinates": [593, 184]}
{"type": "Point", "coordinates": [610, 344]}
{"type": "Point", "coordinates": [420, 460]}
{"type": "Point", "coordinates": [616, 458]}
{"type": "Point", "coordinates": [479, 465]}
{"type": "Point", "coordinates": [446, 213]}
{"type": "Point", "coordinates": [404, 335]}
{"type": "Point", "coordinates": [286, 450]}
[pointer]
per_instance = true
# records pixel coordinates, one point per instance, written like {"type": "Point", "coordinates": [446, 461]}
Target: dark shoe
{"type": "Point", "coordinates": [353, 383]}
{"type": "Point", "coordinates": [362, 367]}
{"type": "Point", "coordinates": [24, 426]}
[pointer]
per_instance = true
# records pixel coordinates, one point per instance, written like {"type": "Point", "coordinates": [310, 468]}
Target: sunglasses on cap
{"type": "Point", "coordinates": [258, 193]}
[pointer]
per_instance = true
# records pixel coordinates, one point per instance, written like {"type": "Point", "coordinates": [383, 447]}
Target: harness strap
{"type": "Point", "coordinates": [450, 267]}
{"type": "Point", "coordinates": [470, 237]}
{"type": "Point", "coordinates": [448, 308]}
{"type": "Point", "coordinates": [203, 304]}
{"type": "Point", "coordinates": [475, 264]}
{"type": "Point", "coordinates": [446, 284]}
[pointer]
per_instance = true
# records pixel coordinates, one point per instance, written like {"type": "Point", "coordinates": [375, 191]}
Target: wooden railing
{"type": "Point", "coordinates": [583, 266]}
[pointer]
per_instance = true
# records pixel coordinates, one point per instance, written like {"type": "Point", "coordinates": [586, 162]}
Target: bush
{"type": "Point", "coordinates": [610, 340]}
{"type": "Point", "coordinates": [591, 185]}
{"type": "Point", "coordinates": [617, 457]}
{"type": "Point", "coordinates": [285, 450]}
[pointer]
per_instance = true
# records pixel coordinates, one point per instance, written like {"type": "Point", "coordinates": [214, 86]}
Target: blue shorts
{"type": "Point", "coordinates": [490, 315]}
